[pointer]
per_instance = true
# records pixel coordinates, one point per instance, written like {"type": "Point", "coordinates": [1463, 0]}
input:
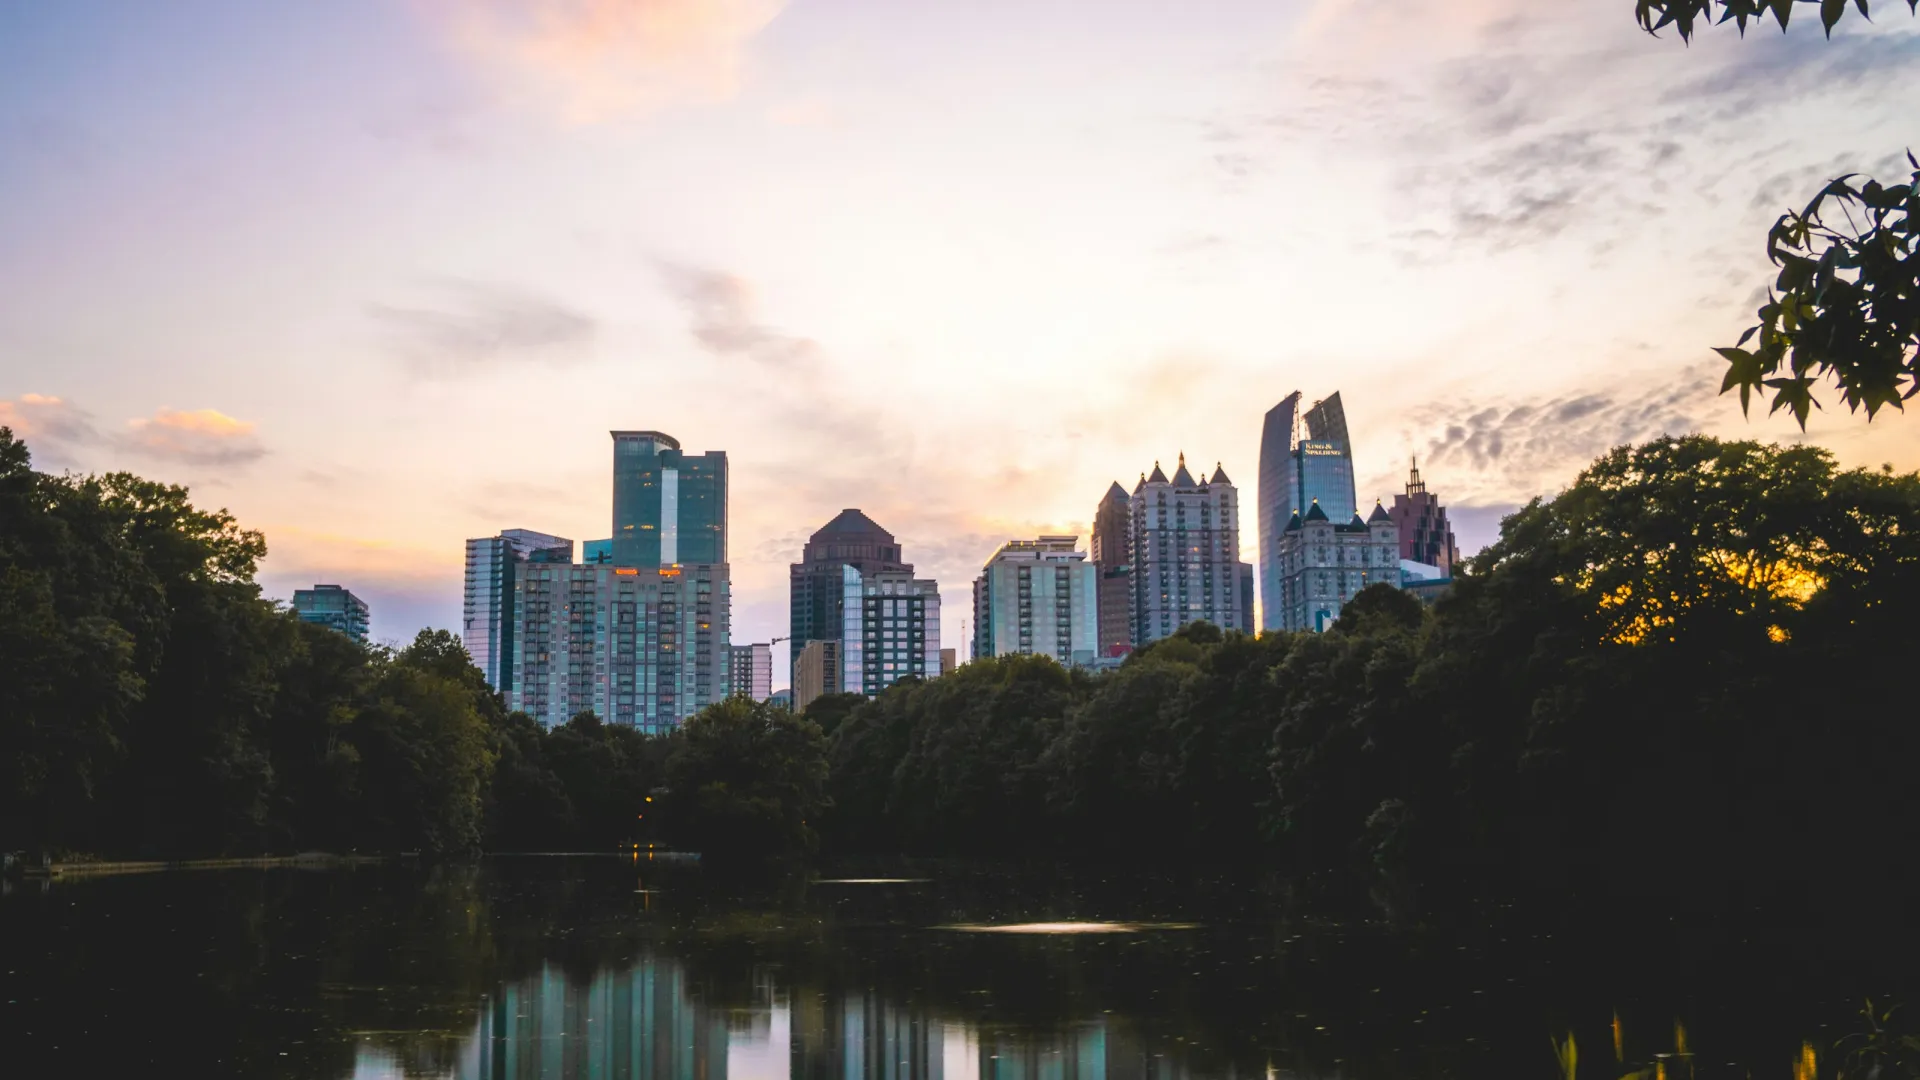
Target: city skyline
{"type": "Point", "coordinates": [377, 315]}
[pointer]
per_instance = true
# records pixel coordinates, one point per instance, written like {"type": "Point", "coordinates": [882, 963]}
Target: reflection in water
{"type": "Point", "coordinates": [1064, 927]}
{"type": "Point", "coordinates": [531, 968]}
{"type": "Point", "coordinates": [643, 1023]}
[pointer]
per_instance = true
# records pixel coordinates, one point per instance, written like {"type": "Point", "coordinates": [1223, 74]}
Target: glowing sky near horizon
{"type": "Point", "coordinates": [380, 275]}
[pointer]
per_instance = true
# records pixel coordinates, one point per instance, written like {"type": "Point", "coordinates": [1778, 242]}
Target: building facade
{"type": "Point", "coordinates": [816, 586]}
{"type": "Point", "coordinates": [1185, 546]}
{"type": "Point", "coordinates": [1425, 535]}
{"type": "Point", "coordinates": [751, 673]}
{"type": "Point", "coordinates": [333, 607]}
{"type": "Point", "coordinates": [1038, 597]}
{"type": "Point", "coordinates": [816, 672]}
{"type": "Point", "coordinates": [1298, 469]}
{"type": "Point", "coordinates": [1112, 551]}
{"type": "Point", "coordinates": [1324, 565]}
{"type": "Point", "coordinates": [669, 507]}
{"type": "Point", "coordinates": [487, 619]}
{"type": "Point", "coordinates": [646, 648]}
{"type": "Point", "coordinates": [890, 629]}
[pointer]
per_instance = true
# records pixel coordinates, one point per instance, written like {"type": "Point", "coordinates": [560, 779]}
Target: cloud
{"type": "Point", "coordinates": [1504, 451]}
{"type": "Point", "coordinates": [52, 427]}
{"type": "Point", "coordinates": [480, 325]}
{"type": "Point", "coordinates": [601, 60]}
{"type": "Point", "coordinates": [200, 437]}
{"type": "Point", "coordinates": [1794, 66]}
{"type": "Point", "coordinates": [721, 315]}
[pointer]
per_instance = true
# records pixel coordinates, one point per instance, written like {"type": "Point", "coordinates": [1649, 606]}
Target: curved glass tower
{"type": "Point", "coordinates": [1294, 472]}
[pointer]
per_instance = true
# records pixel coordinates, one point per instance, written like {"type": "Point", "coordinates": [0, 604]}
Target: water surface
{"type": "Point", "coordinates": [629, 968]}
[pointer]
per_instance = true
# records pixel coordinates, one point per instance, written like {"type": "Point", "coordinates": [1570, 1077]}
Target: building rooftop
{"type": "Point", "coordinates": [852, 520]}
{"type": "Point", "coordinates": [656, 436]}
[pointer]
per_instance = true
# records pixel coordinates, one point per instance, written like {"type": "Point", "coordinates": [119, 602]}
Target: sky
{"type": "Point", "coordinates": [381, 275]}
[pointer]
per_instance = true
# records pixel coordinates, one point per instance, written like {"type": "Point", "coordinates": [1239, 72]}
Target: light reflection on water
{"type": "Point", "coordinates": [531, 968]}
{"type": "Point", "coordinates": [642, 1023]}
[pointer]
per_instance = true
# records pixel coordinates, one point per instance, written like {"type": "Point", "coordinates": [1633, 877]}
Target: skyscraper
{"type": "Point", "coordinates": [891, 629]}
{"type": "Point", "coordinates": [752, 673]}
{"type": "Point", "coordinates": [1185, 541]}
{"type": "Point", "coordinates": [1038, 597]}
{"type": "Point", "coordinates": [333, 607]}
{"type": "Point", "coordinates": [669, 507]}
{"type": "Point", "coordinates": [816, 672]}
{"type": "Point", "coordinates": [818, 591]}
{"type": "Point", "coordinates": [1425, 535]}
{"type": "Point", "coordinates": [646, 648]}
{"type": "Point", "coordinates": [1111, 553]}
{"type": "Point", "coordinates": [1296, 472]}
{"type": "Point", "coordinates": [487, 617]}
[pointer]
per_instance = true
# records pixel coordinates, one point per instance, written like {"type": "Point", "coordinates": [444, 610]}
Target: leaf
{"type": "Point", "coordinates": [1830, 12]}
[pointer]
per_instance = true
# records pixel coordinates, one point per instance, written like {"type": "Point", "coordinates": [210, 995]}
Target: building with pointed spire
{"type": "Point", "coordinates": [1184, 539]}
{"type": "Point", "coordinates": [1425, 535]}
{"type": "Point", "coordinates": [1324, 564]}
{"type": "Point", "coordinates": [1111, 559]}
{"type": "Point", "coordinates": [1297, 469]}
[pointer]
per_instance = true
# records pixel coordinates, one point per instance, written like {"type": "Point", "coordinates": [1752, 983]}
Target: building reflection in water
{"type": "Point", "coordinates": [643, 1023]}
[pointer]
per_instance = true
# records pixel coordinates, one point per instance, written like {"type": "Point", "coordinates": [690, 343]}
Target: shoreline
{"type": "Point", "coordinates": [310, 860]}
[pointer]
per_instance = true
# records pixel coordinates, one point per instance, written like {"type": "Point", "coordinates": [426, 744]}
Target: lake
{"type": "Point", "coordinates": [658, 969]}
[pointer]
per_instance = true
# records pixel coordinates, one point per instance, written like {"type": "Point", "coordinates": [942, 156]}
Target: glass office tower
{"type": "Point", "coordinates": [488, 618]}
{"type": "Point", "coordinates": [669, 507]}
{"type": "Point", "coordinates": [1296, 471]}
{"type": "Point", "coordinates": [817, 591]}
{"type": "Point", "coordinates": [334, 607]}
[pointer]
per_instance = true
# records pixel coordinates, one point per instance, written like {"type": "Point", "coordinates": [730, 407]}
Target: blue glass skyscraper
{"type": "Point", "coordinates": [1294, 472]}
{"type": "Point", "coordinates": [669, 507]}
{"type": "Point", "coordinates": [334, 607]}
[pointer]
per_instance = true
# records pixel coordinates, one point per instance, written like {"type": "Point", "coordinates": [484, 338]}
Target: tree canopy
{"type": "Point", "coordinates": [1845, 305]}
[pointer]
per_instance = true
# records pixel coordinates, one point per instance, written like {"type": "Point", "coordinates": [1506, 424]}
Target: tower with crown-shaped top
{"type": "Point", "coordinates": [1184, 541]}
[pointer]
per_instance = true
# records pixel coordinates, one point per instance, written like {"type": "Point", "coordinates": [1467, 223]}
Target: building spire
{"type": "Point", "coordinates": [1415, 486]}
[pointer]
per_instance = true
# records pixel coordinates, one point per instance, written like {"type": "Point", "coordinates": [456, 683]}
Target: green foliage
{"type": "Point", "coordinates": [1665, 682]}
{"type": "Point", "coordinates": [1846, 303]}
{"type": "Point", "coordinates": [1687, 15]}
{"type": "Point", "coordinates": [152, 703]}
{"type": "Point", "coordinates": [745, 778]}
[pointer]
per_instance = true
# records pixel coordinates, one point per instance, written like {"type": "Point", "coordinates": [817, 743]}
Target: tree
{"type": "Point", "coordinates": [745, 779]}
{"type": "Point", "coordinates": [1685, 15]}
{"type": "Point", "coordinates": [1845, 305]}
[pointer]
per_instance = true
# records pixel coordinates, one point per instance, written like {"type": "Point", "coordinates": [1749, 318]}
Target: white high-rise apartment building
{"type": "Point", "coordinates": [642, 647]}
{"type": "Point", "coordinates": [752, 673]}
{"type": "Point", "coordinates": [1039, 597]}
{"type": "Point", "coordinates": [1185, 535]}
{"type": "Point", "coordinates": [487, 617]}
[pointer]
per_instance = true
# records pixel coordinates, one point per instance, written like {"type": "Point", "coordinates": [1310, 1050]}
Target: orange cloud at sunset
{"type": "Point", "coordinates": [597, 60]}
{"type": "Point", "coordinates": [200, 437]}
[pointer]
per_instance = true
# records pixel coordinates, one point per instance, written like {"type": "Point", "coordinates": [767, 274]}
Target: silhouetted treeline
{"type": "Point", "coordinates": [1682, 677]}
{"type": "Point", "coordinates": [153, 704]}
